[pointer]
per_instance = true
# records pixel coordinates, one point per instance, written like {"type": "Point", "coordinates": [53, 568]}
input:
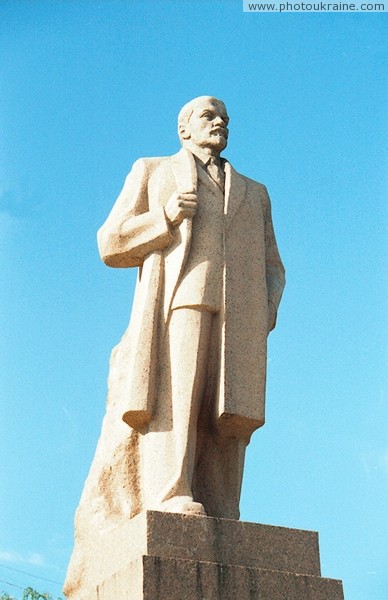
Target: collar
{"type": "Point", "coordinates": [203, 158]}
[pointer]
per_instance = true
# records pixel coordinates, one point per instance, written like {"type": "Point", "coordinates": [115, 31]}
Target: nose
{"type": "Point", "coordinates": [219, 121]}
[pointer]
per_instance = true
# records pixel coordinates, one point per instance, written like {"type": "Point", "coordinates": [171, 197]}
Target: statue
{"type": "Point", "coordinates": [187, 380]}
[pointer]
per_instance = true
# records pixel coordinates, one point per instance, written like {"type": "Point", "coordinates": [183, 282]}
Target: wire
{"type": "Point", "coordinates": [30, 574]}
{"type": "Point", "coordinates": [13, 585]}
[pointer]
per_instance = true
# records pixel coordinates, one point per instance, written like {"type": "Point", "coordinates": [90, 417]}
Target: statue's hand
{"type": "Point", "coordinates": [180, 206]}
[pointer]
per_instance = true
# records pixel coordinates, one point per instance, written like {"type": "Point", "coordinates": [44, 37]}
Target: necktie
{"type": "Point", "coordinates": [215, 172]}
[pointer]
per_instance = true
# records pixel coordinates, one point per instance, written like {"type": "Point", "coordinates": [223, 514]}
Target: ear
{"type": "Point", "coordinates": [183, 133]}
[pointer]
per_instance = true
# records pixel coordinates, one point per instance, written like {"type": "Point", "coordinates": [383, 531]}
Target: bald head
{"type": "Point", "coordinates": [202, 122]}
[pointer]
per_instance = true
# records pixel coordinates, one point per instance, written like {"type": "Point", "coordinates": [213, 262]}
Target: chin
{"type": "Point", "coordinates": [219, 143]}
{"type": "Point", "coordinates": [222, 145]}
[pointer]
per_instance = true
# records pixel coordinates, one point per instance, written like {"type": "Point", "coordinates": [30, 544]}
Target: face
{"type": "Point", "coordinates": [207, 126]}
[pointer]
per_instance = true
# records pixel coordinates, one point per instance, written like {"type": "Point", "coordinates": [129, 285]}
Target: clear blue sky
{"type": "Point", "coordinates": [87, 87]}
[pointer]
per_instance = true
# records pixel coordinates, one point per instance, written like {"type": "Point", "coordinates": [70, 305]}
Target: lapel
{"type": "Point", "coordinates": [185, 171]}
{"type": "Point", "coordinates": [235, 192]}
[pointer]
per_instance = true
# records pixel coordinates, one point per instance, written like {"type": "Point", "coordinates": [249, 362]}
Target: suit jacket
{"type": "Point", "coordinates": [201, 279]}
{"type": "Point", "coordinates": [137, 233]}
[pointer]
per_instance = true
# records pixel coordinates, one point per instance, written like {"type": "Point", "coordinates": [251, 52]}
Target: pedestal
{"type": "Point", "coordinates": [166, 556]}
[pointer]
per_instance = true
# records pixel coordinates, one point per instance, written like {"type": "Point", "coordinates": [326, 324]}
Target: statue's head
{"type": "Point", "coordinates": [202, 123]}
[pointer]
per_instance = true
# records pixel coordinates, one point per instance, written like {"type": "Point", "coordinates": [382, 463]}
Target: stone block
{"type": "Point", "coordinates": [163, 556]}
{"type": "Point", "coordinates": [155, 578]}
{"type": "Point", "coordinates": [225, 541]}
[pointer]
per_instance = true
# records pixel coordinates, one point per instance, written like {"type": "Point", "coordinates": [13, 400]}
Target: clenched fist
{"type": "Point", "coordinates": [180, 206]}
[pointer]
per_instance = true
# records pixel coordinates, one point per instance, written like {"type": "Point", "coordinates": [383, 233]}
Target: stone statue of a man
{"type": "Point", "coordinates": [210, 281]}
{"type": "Point", "coordinates": [188, 377]}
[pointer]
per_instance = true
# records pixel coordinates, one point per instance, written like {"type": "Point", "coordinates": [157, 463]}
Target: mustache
{"type": "Point", "coordinates": [223, 130]}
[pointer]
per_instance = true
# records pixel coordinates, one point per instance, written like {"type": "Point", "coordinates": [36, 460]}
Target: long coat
{"type": "Point", "coordinates": [137, 234]}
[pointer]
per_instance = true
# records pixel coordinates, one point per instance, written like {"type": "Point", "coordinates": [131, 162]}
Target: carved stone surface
{"type": "Point", "coordinates": [187, 381]}
{"type": "Point", "coordinates": [152, 578]}
{"type": "Point", "coordinates": [163, 556]}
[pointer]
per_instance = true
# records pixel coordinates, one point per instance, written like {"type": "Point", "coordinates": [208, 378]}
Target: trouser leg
{"type": "Point", "coordinates": [219, 458]}
{"type": "Point", "coordinates": [218, 473]}
{"type": "Point", "coordinates": [169, 446]}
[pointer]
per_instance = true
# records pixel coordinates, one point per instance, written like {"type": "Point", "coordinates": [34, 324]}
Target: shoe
{"type": "Point", "coordinates": [193, 508]}
{"type": "Point", "coordinates": [183, 505]}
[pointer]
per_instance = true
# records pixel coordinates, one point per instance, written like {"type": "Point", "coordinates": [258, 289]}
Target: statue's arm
{"type": "Point", "coordinates": [275, 273]}
{"type": "Point", "coordinates": [131, 230]}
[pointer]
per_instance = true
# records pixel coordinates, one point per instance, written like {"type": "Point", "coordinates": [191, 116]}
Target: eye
{"type": "Point", "coordinates": [207, 115]}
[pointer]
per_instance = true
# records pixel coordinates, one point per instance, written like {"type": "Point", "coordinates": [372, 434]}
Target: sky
{"type": "Point", "coordinates": [87, 87]}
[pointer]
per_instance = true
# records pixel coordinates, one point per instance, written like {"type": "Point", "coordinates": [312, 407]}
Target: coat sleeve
{"type": "Point", "coordinates": [131, 230]}
{"type": "Point", "coordinates": [275, 273]}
